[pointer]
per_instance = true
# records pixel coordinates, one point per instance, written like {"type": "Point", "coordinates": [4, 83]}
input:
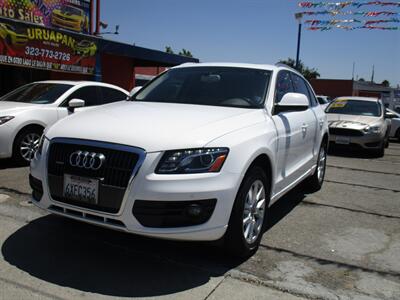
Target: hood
{"type": "Point", "coordinates": [156, 126]}
{"type": "Point", "coordinates": [11, 108]}
{"type": "Point", "coordinates": [351, 121]}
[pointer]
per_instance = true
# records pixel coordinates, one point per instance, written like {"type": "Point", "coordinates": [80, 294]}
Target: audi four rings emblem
{"type": "Point", "coordinates": [87, 160]}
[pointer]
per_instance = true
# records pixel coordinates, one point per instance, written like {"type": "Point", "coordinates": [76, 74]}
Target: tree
{"type": "Point", "coordinates": [169, 50]}
{"type": "Point", "coordinates": [361, 79]}
{"type": "Point", "coordinates": [308, 73]}
{"type": "Point", "coordinates": [185, 52]}
{"type": "Point", "coordinates": [386, 83]}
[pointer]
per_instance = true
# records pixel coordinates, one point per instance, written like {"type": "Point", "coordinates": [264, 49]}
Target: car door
{"type": "Point", "coordinates": [295, 131]}
{"type": "Point", "coordinates": [91, 96]}
{"type": "Point", "coordinates": [311, 122]}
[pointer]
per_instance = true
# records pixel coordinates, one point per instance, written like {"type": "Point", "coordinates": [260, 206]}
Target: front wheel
{"type": "Point", "coordinates": [246, 224]}
{"type": "Point", "coordinates": [26, 144]}
{"type": "Point", "coordinates": [314, 183]}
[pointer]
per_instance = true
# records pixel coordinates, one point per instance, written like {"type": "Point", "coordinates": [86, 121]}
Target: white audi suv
{"type": "Point", "coordinates": [200, 153]}
{"type": "Point", "coordinates": [28, 110]}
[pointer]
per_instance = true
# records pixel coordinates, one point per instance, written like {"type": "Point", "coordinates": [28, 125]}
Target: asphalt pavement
{"type": "Point", "coordinates": [340, 243]}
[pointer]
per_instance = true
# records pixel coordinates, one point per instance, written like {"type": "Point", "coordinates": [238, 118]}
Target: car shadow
{"type": "Point", "coordinates": [343, 151]}
{"type": "Point", "coordinates": [10, 164]}
{"type": "Point", "coordinates": [285, 205]}
{"type": "Point", "coordinates": [97, 260]}
{"type": "Point", "coordinates": [102, 261]}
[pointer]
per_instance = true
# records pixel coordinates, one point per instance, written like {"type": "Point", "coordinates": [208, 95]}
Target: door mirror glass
{"type": "Point", "coordinates": [292, 102]}
{"type": "Point", "coordinates": [135, 90]}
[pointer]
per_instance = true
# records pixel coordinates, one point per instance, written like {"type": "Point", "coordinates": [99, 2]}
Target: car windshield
{"type": "Point", "coordinates": [37, 93]}
{"type": "Point", "coordinates": [71, 10]}
{"type": "Point", "coordinates": [354, 107]}
{"type": "Point", "coordinates": [216, 86]}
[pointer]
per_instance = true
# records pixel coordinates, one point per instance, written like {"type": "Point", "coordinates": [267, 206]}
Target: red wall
{"type": "Point", "coordinates": [149, 70]}
{"type": "Point", "coordinates": [332, 87]}
{"type": "Point", "coordinates": [118, 70]}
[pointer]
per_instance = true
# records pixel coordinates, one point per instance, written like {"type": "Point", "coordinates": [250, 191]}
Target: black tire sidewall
{"type": "Point", "coordinates": [234, 238]}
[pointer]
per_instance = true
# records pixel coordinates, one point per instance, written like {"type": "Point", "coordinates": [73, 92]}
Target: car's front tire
{"type": "Point", "coordinates": [249, 213]}
{"type": "Point", "coordinates": [25, 145]}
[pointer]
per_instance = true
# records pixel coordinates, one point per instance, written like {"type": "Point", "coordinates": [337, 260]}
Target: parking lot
{"type": "Point", "coordinates": [340, 243]}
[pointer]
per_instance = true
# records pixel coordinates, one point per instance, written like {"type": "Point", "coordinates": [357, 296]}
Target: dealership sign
{"type": "Point", "coordinates": [66, 14]}
{"type": "Point", "coordinates": [45, 48]}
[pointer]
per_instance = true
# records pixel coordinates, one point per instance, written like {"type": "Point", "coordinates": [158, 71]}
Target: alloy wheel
{"type": "Point", "coordinates": [254, 212]}
{"type": "Point", "coordinates": [29, 146]}
{"type": "Point", "coordinates": [321, 164]}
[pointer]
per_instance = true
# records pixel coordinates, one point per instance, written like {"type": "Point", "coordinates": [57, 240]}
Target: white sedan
{"type": "Point", "coordinates": [28, 110]}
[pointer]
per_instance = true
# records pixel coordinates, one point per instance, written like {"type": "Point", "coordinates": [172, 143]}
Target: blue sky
{"type": "Point", "coordinates": [255, 31]}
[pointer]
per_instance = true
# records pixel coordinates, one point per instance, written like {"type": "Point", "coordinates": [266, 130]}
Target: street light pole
{"type": "Point", "coordinates": [298, 17]}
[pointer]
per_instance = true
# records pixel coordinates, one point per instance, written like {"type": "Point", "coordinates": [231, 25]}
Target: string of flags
{"type": "Point", "coordinates": [359, 17]}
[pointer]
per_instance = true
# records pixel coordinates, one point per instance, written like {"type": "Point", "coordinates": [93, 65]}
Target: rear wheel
{"type": "Point", "coordinates": [314, 183]}
{"type": "Point", "coordinates": [246, 225]}
{"type": "Point", "coordinates": [398, 134]}
{"type": "Point", "coordinates": [26, 144]}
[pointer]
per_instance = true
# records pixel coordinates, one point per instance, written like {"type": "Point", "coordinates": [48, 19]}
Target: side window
{"type": "Point", "coordinates": [110, 95]}
{"type": "Point", "coordinates": [300, 86]}
{"type": "Point", "coordinates": [313, 98]}
{"type": "Point", "coordinates": [87, 93]}
{"type": "Point", "coordinates": [283, 85]}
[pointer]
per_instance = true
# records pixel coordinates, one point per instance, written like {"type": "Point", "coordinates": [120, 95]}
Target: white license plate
{"type": "Point", "coordinates": [81, 189]}
{"type": "Point", "coordinates": [344, 140]}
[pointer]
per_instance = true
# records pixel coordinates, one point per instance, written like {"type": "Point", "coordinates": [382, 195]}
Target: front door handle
{"type": "Point", "coordinates": [304, 127]}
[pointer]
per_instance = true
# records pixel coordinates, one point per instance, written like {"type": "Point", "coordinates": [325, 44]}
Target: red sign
{"type": "Point", "coordinates": [44, 48]}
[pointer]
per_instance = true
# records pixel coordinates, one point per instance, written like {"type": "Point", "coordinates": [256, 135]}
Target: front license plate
{"type": "Point", "coordinates": [344, 140]}
{"type": "Point", "coordinates": [81, 189]}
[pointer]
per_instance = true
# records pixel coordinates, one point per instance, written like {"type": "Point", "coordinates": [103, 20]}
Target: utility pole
{"type": "Point", "coordinates": [299, 17]}
{"type": "Point", "coordinates": [373, 74]}
{"type": "Point", "coordinates": [354, 68]}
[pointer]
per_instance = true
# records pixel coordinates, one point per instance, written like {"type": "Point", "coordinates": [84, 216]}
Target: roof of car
{"type": "Point", "coordinates": [234, 65]}
{"type": "Point", "coordinates": [358, 98]}
{"type": "Point", "coordinates": [76, 83]}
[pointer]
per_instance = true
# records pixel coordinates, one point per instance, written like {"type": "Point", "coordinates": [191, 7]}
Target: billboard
{"type": "Point", "coordinates": [72, 15]}
{"type": "Point", "coordinates": [39, 47]}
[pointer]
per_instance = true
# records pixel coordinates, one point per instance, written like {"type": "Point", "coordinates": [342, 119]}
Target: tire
{"type": "Point", "coordinates": [398, 134]}
{"type": "Point", "coordinates": [242, 240]}
{"type": "Point", "coordinates": [381, 151]}
{"type": "Point", "coordinates": [25, 145]}
{"type": "Point", "coordinates": [315, 182]}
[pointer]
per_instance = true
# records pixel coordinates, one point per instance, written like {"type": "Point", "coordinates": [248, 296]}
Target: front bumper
{"type": "Point", "coordinates": [368, 141]}
{"type": "Point", "coordinates": [6, 141]}
{"type": "Point", "coordinates": [148, 186]}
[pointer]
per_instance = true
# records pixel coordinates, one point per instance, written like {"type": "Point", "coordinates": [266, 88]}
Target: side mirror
{"type": "Point", "coordinates": [292, 102]}
{"type": "Point", "coordinates": [75, 103]}
{"type": "Point", "coordinates": [135, 90]}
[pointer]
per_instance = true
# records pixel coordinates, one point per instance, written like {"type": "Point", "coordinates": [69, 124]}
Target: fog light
{"type": "Point", "coordinates": [194, 210]}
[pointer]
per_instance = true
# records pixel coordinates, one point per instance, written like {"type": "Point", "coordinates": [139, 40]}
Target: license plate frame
{"type": "Point", "coordinates": [342, 140]}
{"type": "Point", "coordinates": [81, 189]}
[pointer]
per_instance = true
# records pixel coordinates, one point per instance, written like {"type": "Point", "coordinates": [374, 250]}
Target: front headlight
{"type": "Point", "coordinates": [373, 129]}
{"type": "Point", "coordinates": [205, 160]}
{"type": "Point", "coordinates": [5, 119]}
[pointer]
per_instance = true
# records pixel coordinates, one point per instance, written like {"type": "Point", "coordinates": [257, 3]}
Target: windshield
{"type": "Point", "coordinates": [355, 107]}
{"type": "Point", "coordinates": [216, 86]}
{"type": "Point", "coordinates": [37, 93]}
{"type": "Point", "coordinates": [71, 10]}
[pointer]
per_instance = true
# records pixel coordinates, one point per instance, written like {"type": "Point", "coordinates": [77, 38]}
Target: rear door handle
{"type": "Point", "coordinates": [304, 127]}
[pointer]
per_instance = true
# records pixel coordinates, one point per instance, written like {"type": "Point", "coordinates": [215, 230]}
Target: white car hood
{"type": "Point", "coordinates": [350, 121]}
{"type": "Point", "coordinates": [156, 126]}
{"type": "Point", "coordinates": [12, 108]}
